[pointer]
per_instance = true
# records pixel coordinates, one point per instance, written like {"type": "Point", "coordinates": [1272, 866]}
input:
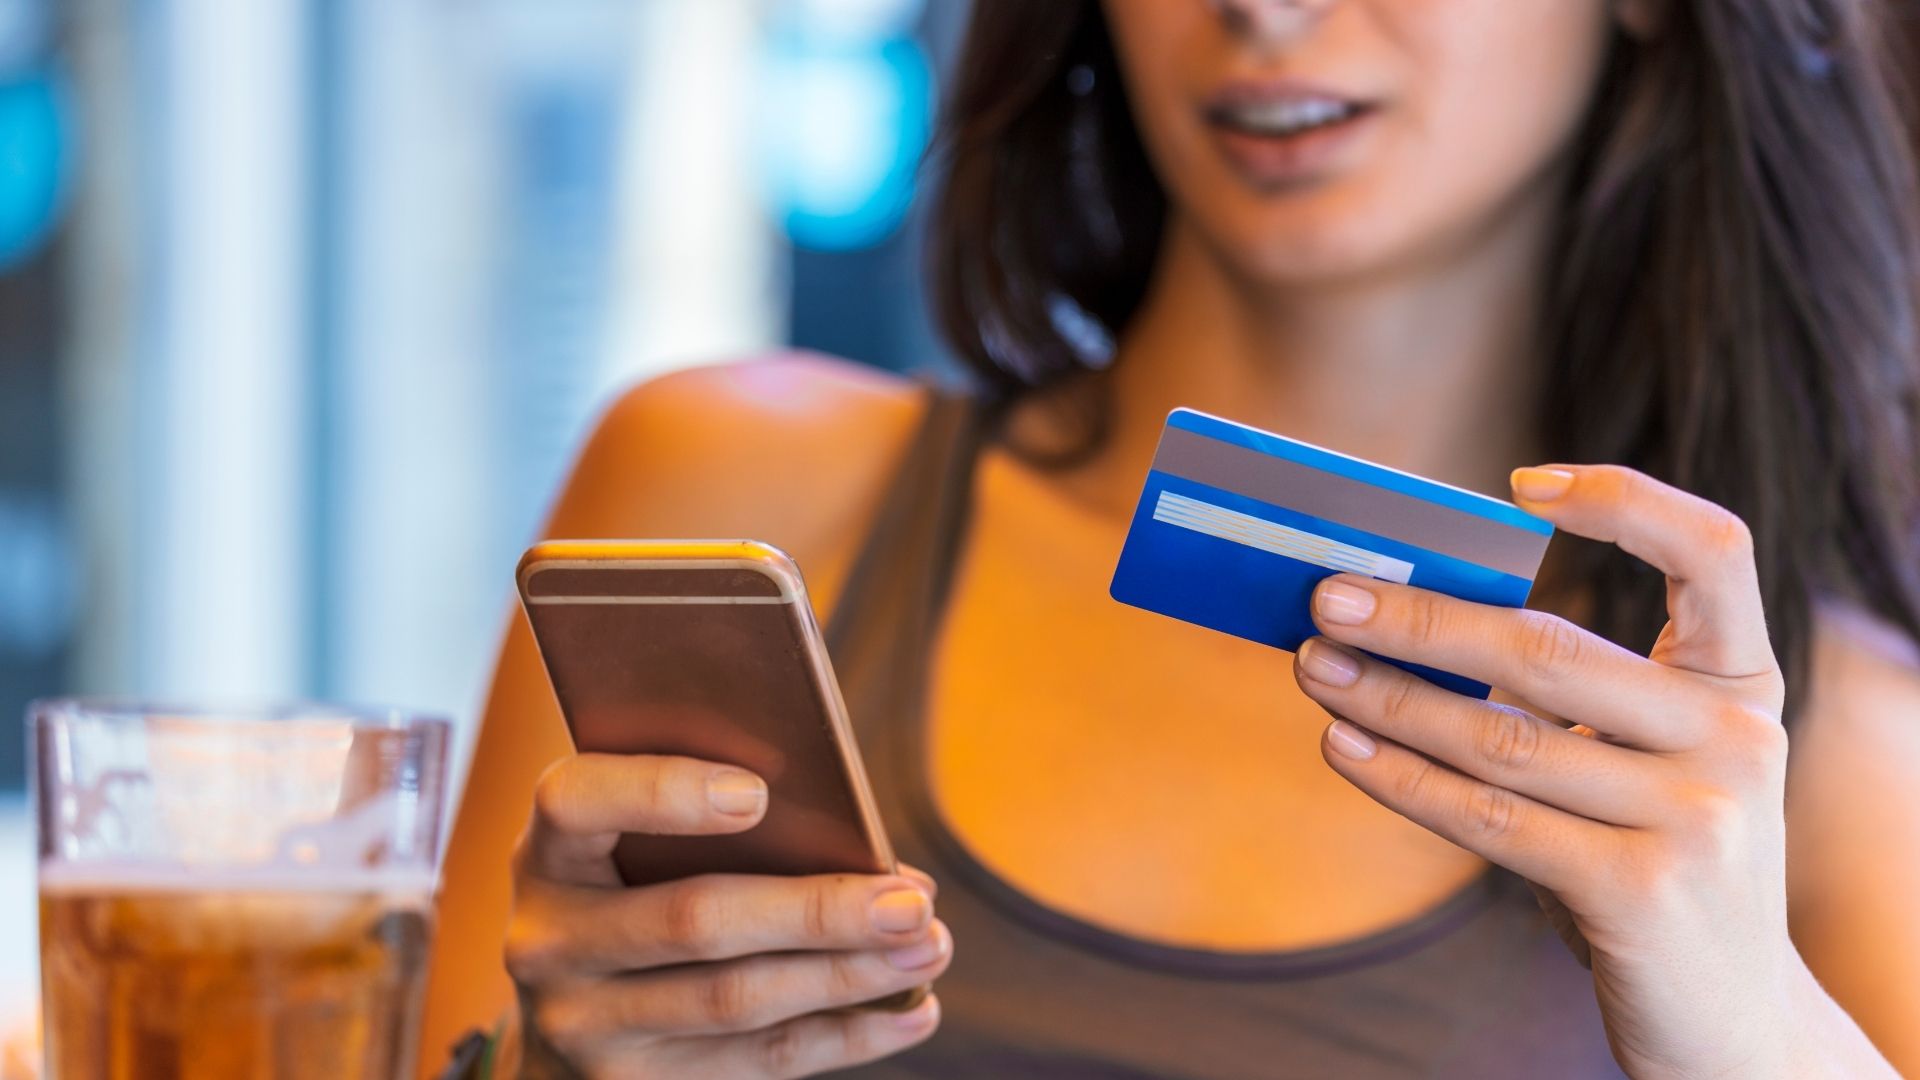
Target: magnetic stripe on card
{"type": "Point", "coordinates": [1271, 536]}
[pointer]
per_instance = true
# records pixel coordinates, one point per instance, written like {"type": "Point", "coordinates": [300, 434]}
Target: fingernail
{"type": "Point", "coordinates": [1541, 485]}
{"type": "Point", "coordinates": [915, 957]}
{"type": "Point", "coordinates": [901, 910]}
{"type": "Point", "coordinates": [736, 792]}
{"type": "Point", "coordinates": [1325, 662]}
{"type": "Point", "coordinates": [1339, 602]}
{"type": "Point", "coordinates": [1350, 741]}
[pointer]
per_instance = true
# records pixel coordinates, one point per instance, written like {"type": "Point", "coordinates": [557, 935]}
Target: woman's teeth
{"type": "Point", "coordinates": [1289, 117]}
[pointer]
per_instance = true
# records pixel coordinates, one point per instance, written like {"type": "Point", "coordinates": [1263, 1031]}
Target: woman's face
{"type": "Point", "coordinates": [1316, 140]}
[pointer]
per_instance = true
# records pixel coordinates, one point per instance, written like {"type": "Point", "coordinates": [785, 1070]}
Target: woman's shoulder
{"type": "Point", "coordinates": [1864, 670]}
{"type": "Point", "coordinates": [794, 389]}
{"type": "Point", "coordinates": [1853, 820]}
{"type": "Point", "coordinates": [1847, 634]}
{"type": "Point", "coordinates": [1863, 693]}
{"type": "Point", "coordinates": [1853, 775]}
{"type": "Point", "coordinates": [793, 448]}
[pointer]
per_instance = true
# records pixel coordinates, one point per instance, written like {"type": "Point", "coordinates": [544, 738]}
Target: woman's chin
{"type": "Point", "coordinates": [1340, 233]}
{"type": "Point", "coordinates": [1309, 254]}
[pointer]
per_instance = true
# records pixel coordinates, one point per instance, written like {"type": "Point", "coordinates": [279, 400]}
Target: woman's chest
{"type": "Point", "coordinates": [1143, 774]}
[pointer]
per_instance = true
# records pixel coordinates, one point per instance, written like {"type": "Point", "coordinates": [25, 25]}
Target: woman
{"type": "Point", "coordinates": [1673, 241]}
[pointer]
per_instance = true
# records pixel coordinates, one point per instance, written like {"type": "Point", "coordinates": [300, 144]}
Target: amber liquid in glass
{"type": "Point", "coordinates": [209, 983]}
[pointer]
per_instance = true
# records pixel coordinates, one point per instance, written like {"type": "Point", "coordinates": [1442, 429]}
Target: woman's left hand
{"type": "Point", "coordinates": [1654, 829]}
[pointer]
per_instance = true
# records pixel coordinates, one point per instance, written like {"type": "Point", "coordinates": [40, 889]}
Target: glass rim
{"type": "Point", "coordinates": [114, 709]}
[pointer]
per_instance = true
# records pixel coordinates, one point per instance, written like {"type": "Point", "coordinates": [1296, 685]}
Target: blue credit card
{"type": "Point", "coordinates": [1237, 525]}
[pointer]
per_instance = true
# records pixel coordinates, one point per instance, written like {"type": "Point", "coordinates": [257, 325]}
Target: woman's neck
{"type": "Point", "coordinates": [1431, 370]}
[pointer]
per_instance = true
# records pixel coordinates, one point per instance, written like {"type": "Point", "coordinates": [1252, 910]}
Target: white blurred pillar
{"type": "Point", "coordinates": [223, 464]}
{"type": "Point", "coordinates": [493, 289]}
{"type": "Point", "coordinates": [699, 269]}
{"type": "Point", "coordinates": [414, 590]}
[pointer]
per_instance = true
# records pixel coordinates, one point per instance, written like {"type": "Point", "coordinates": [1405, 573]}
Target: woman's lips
{"type": "Point", "coordinates": [1271, 162]}
{"type": "Point", "coordinates": [1283, 137]}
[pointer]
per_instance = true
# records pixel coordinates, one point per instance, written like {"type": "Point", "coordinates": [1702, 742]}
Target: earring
{"type": "Point", "coordinates": [1080, 80]}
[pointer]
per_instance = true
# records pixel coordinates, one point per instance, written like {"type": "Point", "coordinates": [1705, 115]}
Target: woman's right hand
{"type": "Point", "coordinates": [718, 975]}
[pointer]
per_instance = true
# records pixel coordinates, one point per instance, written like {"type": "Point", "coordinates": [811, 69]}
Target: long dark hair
{"type": "Point", "coordinates": [1734, 312]}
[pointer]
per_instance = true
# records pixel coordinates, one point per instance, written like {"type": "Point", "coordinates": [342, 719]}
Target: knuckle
{"type": "Point", "coordinates": [522, 851]}
{"type": "Point", "coordinates": [552, 796]}
{"type": "Point", "coordinates": [1772, 743]}
{"type": "Point", "coordinates": [845, 981]}
{"type": "Point", "coordinates": [1760, 738]}
{"type": "Point", "coordinates": [727, 999]}
{"type": "Point", "coordinates": [1624, 484]}
{"type": "Point", "coordinates": [856, 1039]}
{"type": "Point", "coordinates": [1711, 834]}
{"type": "Point", "coordinates": [528, 950]}
{"type": "Point", "coordinates": [1426, 619]}
{"type": "Point", "coordinates": [1400, 698]}
{"type": "Point", "coordinates": [782, 1048]}
{"type": "Point", "coordinates": [653, 794]}
{"type": "Point", "coordinates": [1490, 812]}
{"type": "Point", "coordinates": [1413, 786]}
{"type": "Point", "coordinates": [522, 959]}
{"type": "Point", "coordinates": [1728, 535]}
{"type": "Point", "coordinates": [816, 913]}
{"type": "Point", "coordinates": [690, 920]}
{"type": "Point", "coordinates": [1753, 721]}
{"type": "Point", "coordinates": [1508, 740]}
{"type": "Point", "coordinates": [554, 1019]}
{"type": "Point", "coordinates": [1719, 823]}
{"type": "Point", "coordinates": [1549, 646]}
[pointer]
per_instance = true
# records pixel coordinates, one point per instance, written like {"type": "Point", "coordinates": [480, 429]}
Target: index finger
{"type": "Point", "coordinates": [712, 917]}
{"type": "Point", "coordinates": [584, 803]}
{"type": "Point", "coordinates": [1718, 626]}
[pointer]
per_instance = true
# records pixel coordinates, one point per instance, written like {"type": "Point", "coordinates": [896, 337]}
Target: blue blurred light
{"type": "Point", "coordinates": [24, 30]}
{"type": "Point", "coordinates": [34, 140]}
{"type": "Point", "coordinates": [39, 582]}
{"type": "Point", "coordinates": [848, 121]}
{"type": "Point", "coordinates": [849, 112]}
{"type": "Point", "coordinates": [867, 19]}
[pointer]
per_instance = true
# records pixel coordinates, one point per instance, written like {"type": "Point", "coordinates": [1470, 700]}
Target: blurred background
{"type": "Point", "coordinates": [304, 305]}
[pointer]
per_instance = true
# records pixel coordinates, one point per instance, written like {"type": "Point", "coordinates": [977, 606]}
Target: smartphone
{"type": "Point", "coordinates": [707, 649]}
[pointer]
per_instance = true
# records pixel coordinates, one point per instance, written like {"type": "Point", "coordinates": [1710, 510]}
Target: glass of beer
{"type": "Point", "coordinates": [234, 893]}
